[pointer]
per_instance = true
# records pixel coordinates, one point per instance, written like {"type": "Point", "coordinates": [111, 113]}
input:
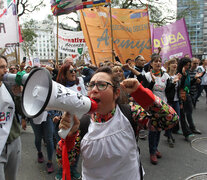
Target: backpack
{"type": "Point", "coordinates": [126, 110]}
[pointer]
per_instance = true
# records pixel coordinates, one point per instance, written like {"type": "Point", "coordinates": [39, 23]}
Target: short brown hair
{"type": "Point", "coordinates": [171, 61]}
{"type": "Point", "coordinates": [3, 57]}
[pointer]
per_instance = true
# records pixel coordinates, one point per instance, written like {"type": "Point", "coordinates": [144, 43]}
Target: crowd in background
{"type": "Point", "coordinates": [178, 82]}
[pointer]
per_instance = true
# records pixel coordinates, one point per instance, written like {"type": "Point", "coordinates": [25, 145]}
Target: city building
{"type": "Point", "coordinates": [196, 22]}
{"type": "Point", "coordinates": [45, 42]}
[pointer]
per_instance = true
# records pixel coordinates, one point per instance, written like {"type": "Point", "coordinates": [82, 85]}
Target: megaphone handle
{"type": "Point", "coordinates": [64, 132]}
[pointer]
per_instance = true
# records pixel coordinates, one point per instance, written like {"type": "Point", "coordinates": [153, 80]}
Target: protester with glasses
{"type": "Point", "coordinates": [10, 141]}
{"type": "Point", "coordinates": [67, 77]}
{"type": "Point", "coordinates": [109, 148]}
{"type": "Point", "coordinates": [101, 85]}
{"type": "Point", "coordinates": [12, 69]}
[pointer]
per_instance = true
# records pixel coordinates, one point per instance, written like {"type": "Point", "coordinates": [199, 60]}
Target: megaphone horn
{"type": "Point", "coordinates": [13, 79]}
{"type": "Point", "coordinates": [41, 93]}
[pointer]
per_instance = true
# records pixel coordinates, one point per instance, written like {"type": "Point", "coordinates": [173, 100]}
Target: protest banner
{"type": "Point", "coordinates": [173, 40]}
{"type": "Point", "coordinates": [9, 26]}
{"type": "Point", "coordinates": [129, 29]}
{"type": "Point", "coordinates": [60, 7]}
{"type": "Point", "coordinates": [10, 53]}
{"type": "Point", "coordinates": [70, 42]}
{"type": "Point", "coordinates": [36, 62]}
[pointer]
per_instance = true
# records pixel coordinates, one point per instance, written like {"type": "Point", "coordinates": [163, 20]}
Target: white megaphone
{"type": "Point", "coordinates": [41, 93]}
{"type": "Point", "coordinates": [13, 79]}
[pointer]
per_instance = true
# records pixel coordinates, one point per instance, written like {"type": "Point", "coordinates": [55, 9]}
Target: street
{"type": "Point", "coordinates": [177, 163]}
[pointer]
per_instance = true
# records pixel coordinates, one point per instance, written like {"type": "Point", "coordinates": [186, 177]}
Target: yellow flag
{"type": "Point", "coordinates": [130, 28]}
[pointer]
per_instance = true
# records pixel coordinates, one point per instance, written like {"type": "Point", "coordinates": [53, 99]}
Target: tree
{"type": "Point", "coordinates": [161, 12]}
{"type": "Point", "coordinates": [29, 36]}
{"type": "Point", "coordinates": [72, 17]}
{"type": "Point", "coordinates": [191, 8]}
{"type": "Point", "coordinates": [26, 6]}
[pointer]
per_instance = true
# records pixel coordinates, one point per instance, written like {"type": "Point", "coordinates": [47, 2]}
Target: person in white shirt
{"type": "Point", "coordinates": [203, 85]}
{"type": "Point", "coordinates": [10, 142]}
{"type": "Point", "coordinates": [109, 148]}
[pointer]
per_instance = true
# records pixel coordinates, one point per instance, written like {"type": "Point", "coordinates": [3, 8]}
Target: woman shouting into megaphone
{"type": "Point", "coordinates": [108, 144]}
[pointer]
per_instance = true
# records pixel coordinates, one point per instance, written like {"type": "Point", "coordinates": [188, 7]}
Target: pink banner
{"type": "Point", "coordinates": [173, 39]}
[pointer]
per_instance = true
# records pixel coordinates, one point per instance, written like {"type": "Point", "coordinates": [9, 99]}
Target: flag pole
{"type": "Point", "coordinates": [17, 51]}
{"type": "Point", "coordinates": [112, 37]}
{"type": "Point", "coordinates": [57, 42]}
{"type": "Point", "coordinates": [90, 43]}
{"type": "Point", "coordinates": [18, 56]}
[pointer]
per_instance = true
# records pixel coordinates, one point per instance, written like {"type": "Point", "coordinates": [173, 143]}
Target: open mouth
{"type": "Point", "coordinates": [97, 100]}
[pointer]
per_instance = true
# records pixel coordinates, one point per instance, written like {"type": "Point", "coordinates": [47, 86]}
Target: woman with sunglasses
{"type": "Point", "coordinates": [67, 77]}
{"type": "Point", "coordinates": [109, 148]}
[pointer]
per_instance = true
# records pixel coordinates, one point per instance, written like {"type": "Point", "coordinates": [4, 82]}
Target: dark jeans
{"type": "Point", "coordinates": [186, 113]}
{"type": "Point", "coordinates": [51, 115]}
{"type": "Point", "coordinates": [200, 89]}
{"type": "Point", "coordinates": [44, 129]}
{"type": "Point", "coordinates": [194, 98]}
{"type": "Point", "coordinates": [176, 106]}
{"type": "Point", "coordinates": [153, 139]}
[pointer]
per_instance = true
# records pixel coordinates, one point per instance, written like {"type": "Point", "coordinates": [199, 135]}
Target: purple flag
{"type": "Point", "coordinates": [173, 39]}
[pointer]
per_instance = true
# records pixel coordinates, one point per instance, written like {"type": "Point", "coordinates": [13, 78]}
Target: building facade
{"type": "Point", "coordinates": [45, 42]}
{"type": "Point", "coordinates": [196, 22]}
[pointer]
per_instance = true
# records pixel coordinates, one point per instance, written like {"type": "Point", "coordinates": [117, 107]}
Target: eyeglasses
{"type": "Point", "coordinates": [101, 85]}
{"type": "Point", "coordinates": [71, 70]}
{"type": "Point", "coordinates": [12, 68]}
{"type": "Point", "coordinates": [3, 67]}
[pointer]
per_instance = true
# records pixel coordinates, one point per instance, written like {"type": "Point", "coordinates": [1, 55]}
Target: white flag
{"type": "Point", "coordinates": [9, 35]}
{"type": "Point", "coordinates": [70, 42]}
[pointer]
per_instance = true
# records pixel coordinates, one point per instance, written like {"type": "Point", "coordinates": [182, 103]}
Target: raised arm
{"type": "Point", "coordinates": [162, 116]}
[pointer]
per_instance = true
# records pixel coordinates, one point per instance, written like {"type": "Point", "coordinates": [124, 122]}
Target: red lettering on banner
{"type": "Point", "coordinates": [75, 40]}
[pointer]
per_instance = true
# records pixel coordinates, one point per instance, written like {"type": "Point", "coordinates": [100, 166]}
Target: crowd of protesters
{"type": "Point", "coordinates": [178, 84]}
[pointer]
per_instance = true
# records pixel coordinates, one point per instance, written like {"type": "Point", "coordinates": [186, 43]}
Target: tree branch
{"type": "Point", "coordinates": [163, 20]}
{"type": "Point", "coordinates": [35, 7]}
{"type": "Point", "coordinates": [25, 7]}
